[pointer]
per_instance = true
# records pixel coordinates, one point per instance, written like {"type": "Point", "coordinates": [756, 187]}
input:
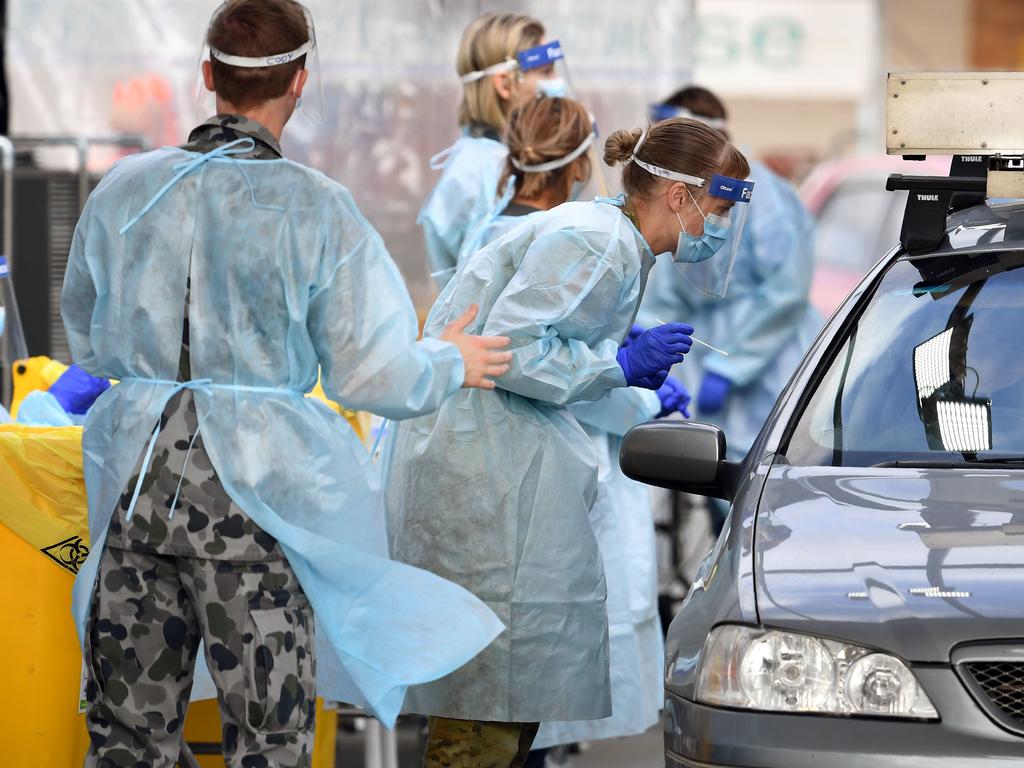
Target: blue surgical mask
{"type": "Point", "coordinates": [577, 188]}
{"type": "Point", "coordinates": [552, 87]}
{"type": "Point", "coordinates": [690, 249]}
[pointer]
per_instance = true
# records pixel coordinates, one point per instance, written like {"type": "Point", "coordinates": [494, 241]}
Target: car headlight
{"type": "Point", "coordinates": [766, 669]}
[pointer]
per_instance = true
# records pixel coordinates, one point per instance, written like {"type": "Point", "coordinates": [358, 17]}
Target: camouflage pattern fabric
{"type": "Point", "coordinates": [476, 744]}
{"type": "Point", "coordinates": [149, 614]}
{"type": "Point", "coordinates": [206, 523]}
{"type": "Point", "coordinates": [223, 129]}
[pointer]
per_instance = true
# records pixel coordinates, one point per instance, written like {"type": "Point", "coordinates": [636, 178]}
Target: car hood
{"type": "Point", "coordinates": [909, 561]}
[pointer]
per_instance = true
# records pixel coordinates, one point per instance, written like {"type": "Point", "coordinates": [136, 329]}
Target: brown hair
{"type": "Point", "coordinates": [679, 144]}
{"type": "Point", "coordinates": [488, 40]}
{"type": "Point", "coordinates": [540, 131]}
{"type": "Point", "coordinates": [256, 28]}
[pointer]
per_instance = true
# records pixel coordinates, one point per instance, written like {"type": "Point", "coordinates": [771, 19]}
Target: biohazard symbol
{"type": "Point", "coordinates": [70, 553]}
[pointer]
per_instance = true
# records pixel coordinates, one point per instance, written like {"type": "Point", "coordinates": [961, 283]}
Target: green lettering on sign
{"type": "Point", "coordinates": [778, 42]}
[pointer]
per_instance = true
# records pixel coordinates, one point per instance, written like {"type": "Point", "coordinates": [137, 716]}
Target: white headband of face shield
{"type": "Point", "coordinates": [657, 170]}
{"type": "Point", "coordinates": [495, 69]}
{"type": "Point", "coordinates": [552, 165]}
{"type": "Point", "coordinates": [711, 122]}
{"type": "Point", "coordinates": [252, 62]}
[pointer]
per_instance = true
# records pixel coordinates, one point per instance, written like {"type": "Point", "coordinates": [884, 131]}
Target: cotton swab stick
{"type": "Point", "coordinates": [702, 343]}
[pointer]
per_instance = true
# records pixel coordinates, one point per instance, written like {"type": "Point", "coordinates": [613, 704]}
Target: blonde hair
{"type": "Point", "coordinates": [679, 144]}
{"type": "Point", "coordinates": [540, 131]}
{"type": "Point", "coordinates": [488, 40]}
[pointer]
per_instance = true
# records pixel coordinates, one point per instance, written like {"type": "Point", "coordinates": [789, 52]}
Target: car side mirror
{"type": "Point", "coordinates": [681, 455]}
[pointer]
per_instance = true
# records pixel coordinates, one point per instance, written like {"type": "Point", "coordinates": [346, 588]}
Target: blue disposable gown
{"type": "Point", "coordinates": [624, 526]}
{"type": "Point", "coordinates": [494, 491]}
{"type": "Point", "coordinates": [287, 279]}
{"type": "Point", "coordinates": [462, 198]}
{"type": "Point", "coordinates": [765, 322]}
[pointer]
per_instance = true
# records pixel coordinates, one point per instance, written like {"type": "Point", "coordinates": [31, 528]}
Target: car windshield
{"type": "Point", "coordinates": [930, 372]}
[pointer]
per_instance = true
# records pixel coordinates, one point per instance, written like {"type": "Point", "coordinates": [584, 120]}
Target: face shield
{"type": "Point", "coordinates": [706, 259]}
{"type": "Point", "coordinates": [545, 66]}
{"type": "Point", "coordinates": [311, 103]}
{"type": "Point", "coordinates": [724, 204]}
{"type": "Point", "coordinates": [661, 112]}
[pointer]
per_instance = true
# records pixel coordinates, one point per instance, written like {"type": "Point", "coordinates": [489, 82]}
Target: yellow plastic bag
{"type": "Point", "coordinates": [42, 491]}
{"type": "Point", "coordinates": [360, 420]}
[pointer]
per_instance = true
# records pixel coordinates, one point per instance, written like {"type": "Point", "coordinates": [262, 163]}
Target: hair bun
{"type": "Point", "coordinates": [618, 147]}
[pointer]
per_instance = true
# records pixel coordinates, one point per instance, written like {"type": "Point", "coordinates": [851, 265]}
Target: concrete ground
{"type": "Point", "coordinates": [644, 751]}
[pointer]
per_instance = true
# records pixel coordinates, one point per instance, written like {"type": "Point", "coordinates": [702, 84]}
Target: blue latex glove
{"type": "Point", "coordinates": [713, 391]}
{"type": "Point", "coordinates": [647, 360]}
{"type": "Point", "coordinates": [634, 333]}
{"type": "Point", "coordinates": [76, 390]}
{"type": "Point", "coordinates": [674, 397]}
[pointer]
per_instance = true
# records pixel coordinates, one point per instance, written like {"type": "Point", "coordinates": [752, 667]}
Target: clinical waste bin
{"type": "Point", "coordinates": [43, 542]}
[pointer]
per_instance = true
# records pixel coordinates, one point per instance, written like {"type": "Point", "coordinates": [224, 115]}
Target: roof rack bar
{"type": "Point", "coordinates": [936, 183]}
{"type": "Point", "coordinates": [929, 201]}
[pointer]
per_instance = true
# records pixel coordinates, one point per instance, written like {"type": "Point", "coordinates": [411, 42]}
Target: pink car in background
{"type": "Point", "coordinates": [858, 221]}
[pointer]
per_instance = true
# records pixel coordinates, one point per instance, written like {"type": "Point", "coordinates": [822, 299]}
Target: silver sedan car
{"type": "Point", "coordinates": [865, 604]}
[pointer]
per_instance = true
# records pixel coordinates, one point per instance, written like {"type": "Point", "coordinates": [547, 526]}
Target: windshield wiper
{"type": "Point", "coordinates": [999, 462]}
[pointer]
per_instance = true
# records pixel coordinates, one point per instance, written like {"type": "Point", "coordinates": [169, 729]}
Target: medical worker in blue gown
{"type": "Point", "coordinates": [548, 163]}
{"type": "Point", "coordinates": [214, 281]}
{"type": "Point", "coordinates": [497, 74]}
{"type": "Point", "coordinates": [766, 321]}
{"type": "Point", "coordinates": [495, 492]}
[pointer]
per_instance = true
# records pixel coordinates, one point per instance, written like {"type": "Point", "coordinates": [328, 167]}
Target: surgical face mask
{"type": "Point", "coordinates": [577, 189]}
{"type": "Point", "coordinates": [552, 87]}
{"type": "Point", "coordinates": [690, 249]}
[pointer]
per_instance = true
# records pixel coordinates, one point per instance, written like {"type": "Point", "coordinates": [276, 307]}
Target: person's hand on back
{"type": "Point", "coordinates": [483, 357]}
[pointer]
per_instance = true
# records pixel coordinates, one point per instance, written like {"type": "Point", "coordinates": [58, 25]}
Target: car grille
{"type": "Point", "coordinates": [1003, 684]}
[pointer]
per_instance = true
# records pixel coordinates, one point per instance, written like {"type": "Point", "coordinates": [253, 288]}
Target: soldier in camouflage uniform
{"type": "Point", "coordinates": [250, 505]}
{"type": "Point", "coordinates": [189, 565]}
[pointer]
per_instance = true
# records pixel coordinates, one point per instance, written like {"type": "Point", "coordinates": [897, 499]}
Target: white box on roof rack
{"type": "Point", "coordinates": [955, 113]}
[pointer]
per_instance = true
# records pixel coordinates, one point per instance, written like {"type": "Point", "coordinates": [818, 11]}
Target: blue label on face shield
{"type": "Point", "coordinates": [540, 56]}
{"type": "Point", "coordinates": [728, 188]}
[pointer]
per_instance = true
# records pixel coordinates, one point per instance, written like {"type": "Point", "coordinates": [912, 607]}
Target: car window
{"type": "Point", "coordinates": [848, 232]}
{"type": "Point", "coordinates": [931, 370]}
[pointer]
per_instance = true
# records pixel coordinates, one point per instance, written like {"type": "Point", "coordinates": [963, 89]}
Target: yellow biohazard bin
{"type": "Point", "coordinates": [43, 541]}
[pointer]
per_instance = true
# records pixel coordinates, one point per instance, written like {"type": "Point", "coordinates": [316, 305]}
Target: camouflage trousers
{"type": "Point", "coordinates": [149, 613]}
{"type": "Point", "coordinates": [477, 744]}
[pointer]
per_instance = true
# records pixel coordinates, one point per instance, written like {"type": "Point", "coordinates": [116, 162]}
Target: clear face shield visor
{"type": "Point", "coordinates": [311, 104]}
{"type": "Point", "coordinates": [708, 259]}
